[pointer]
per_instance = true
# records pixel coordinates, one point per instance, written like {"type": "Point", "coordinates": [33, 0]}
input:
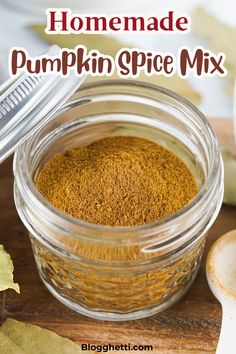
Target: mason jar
{"type": "Point", "coordinates": [120, 273]}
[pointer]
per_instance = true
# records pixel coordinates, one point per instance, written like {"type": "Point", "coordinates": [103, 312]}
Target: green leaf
{"type": "Point", "coordinates": [9, 347]}
{"type": "Point", "coordinates": [220, 38]}
{"type": "Point", "coordinates": [6, 272]}
{"type": "Point", "coordinates": [36, 340]}
{"type": "Point", "coordinates": [229, 177]}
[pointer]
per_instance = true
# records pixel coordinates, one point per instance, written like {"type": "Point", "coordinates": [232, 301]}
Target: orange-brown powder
{"type": "Point", "coordinates": [117, 181]}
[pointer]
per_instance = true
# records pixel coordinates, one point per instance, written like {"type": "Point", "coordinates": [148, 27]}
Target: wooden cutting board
{"type": "Point", "coordinates": [190, 326]}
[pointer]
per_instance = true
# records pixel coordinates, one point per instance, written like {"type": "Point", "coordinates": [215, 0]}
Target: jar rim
{"type": "Point", "coordinates": [22, 175]}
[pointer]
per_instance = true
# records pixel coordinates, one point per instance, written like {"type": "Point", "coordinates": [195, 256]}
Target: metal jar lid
{"type": "Point", "coordinates": [27, 102]}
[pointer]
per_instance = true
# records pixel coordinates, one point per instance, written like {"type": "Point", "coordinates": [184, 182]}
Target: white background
{"type": "Point", "coordinates": [15, 31]}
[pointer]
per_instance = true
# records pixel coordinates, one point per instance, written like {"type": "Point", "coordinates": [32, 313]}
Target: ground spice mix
{"type": "Point", "coordinates": [117, 181]}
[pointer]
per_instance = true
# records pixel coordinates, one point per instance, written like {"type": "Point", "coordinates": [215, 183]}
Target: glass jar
{"type": "Point", "coordinates": [120, 273]}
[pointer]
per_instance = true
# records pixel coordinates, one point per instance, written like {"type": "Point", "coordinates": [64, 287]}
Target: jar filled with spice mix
{"type": "Point", "coordinates": [118, 189]}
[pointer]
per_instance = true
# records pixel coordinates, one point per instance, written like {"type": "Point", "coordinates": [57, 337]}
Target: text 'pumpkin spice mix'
{"type": "Point", "coordinates": [117, 181]}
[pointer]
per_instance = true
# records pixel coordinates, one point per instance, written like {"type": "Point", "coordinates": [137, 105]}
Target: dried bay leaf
{"type": "Point", "coordinates": [9, 347]}
{"type": "Point", "coordinates": [6, 272]}
{"type": "Point", "coordinates": [221, 38]}
{"type": "Point", "coordinates": [105, 44]}
{"type": "Point", "coordinates": [110, 46]}
{"type": "Point", "coordinates": [36, 340]}
{"type": "Point", "coordinates": [229, 177]}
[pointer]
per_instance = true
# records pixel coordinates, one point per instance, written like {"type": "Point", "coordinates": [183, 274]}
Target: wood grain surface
{"type": "Point", "coordinates": [190, 326]}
